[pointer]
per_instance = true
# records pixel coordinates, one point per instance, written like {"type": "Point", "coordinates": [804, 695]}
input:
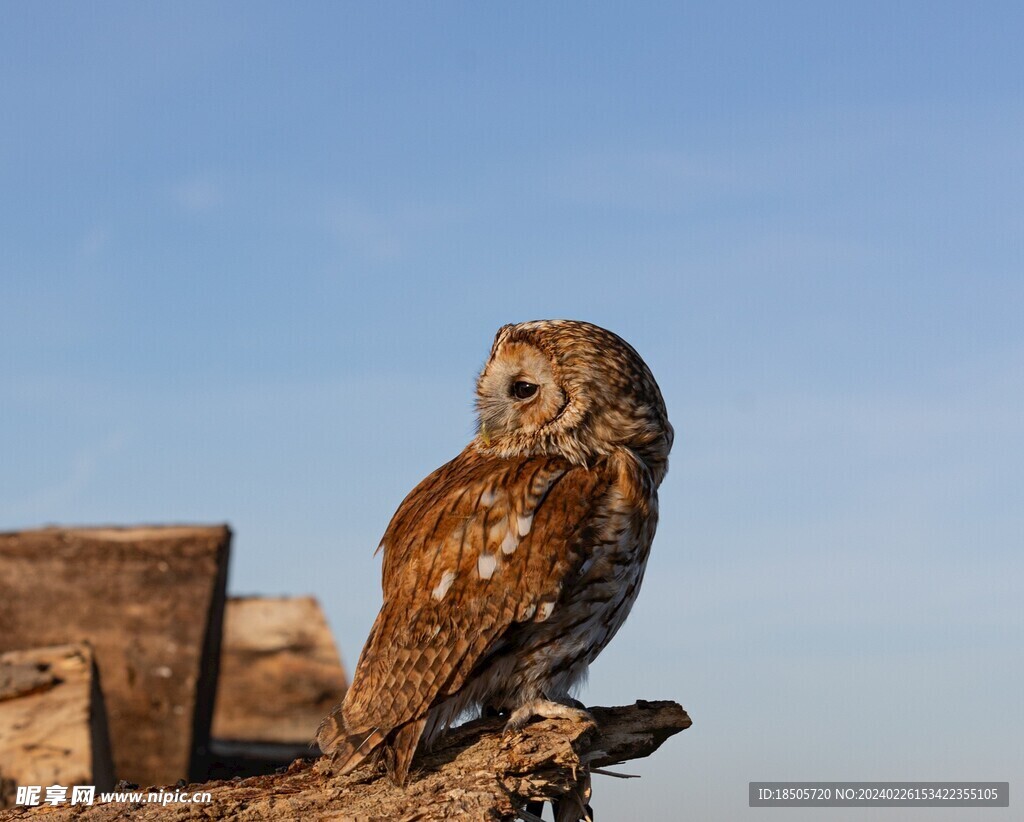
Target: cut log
{"type": "Point", "coordinates": [53, 728]}
{"type": "Point", "coordinates": [475, 772]}
{"type": "Point", "coordinates": [150, 601]}
{"type": "Point", "coordinates": [280, 674]}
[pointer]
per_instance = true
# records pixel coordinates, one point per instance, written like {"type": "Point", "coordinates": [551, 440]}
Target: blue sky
{"type": "Point", "coordinates": [254, 254]}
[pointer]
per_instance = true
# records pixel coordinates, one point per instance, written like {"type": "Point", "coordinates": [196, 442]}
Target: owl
{"type": "Point", "coordinates": [508, 570]}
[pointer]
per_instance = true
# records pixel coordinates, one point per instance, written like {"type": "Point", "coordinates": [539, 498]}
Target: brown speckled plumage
{"type": "Point", "coordinates": [509, 569]}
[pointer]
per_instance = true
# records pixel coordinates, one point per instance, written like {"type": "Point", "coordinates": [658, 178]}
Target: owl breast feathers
{"type": "Point", "coordinates": [509, 569]}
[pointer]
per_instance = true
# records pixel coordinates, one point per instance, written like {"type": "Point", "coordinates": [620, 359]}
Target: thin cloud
{"type": "Point", "coordinates": [384, 235]}
{"type": "Point", "coordinates": [81, 472]}
{"type": "Point", "coordinates": [93, 243]}
{"type": "Point", "coordinates": [362, 230]}
{"type": "Point", "coordinates": [198, 194]}
{"type": "Point", "coordinates": [643, 179]}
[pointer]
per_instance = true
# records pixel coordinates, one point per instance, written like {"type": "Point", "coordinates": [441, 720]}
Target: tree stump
{"type": "Point", "coordinates": [280, 674]}
{"type": "Point", "coordinates": [150, 601]}
{"type": "Point", "coordinates": [53, 728]}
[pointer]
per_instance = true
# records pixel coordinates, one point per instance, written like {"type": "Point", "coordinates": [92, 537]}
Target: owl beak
{"type": "Point", "coordinates": [484, 435]}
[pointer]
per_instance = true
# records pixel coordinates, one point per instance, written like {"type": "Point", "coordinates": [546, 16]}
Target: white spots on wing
{"type": "Point", "coordinates": [486, 565]}
{"type": "Point", "coordinates": [496, 532]}
{"type": "Point", "coordinates": [528, 611]}
{"type": "Point", "coordinates": [487, 498]}
{"type": "Point", "coordinates": [544, 611]}
{"type": "Point", "coordinates": [524, 524]}
{"type": "Point", "coordinates": [435, 632]}
{"type": "Point", "coordinates": [447, 578]}
{"type": "Point", "coordinates": [510, 543]}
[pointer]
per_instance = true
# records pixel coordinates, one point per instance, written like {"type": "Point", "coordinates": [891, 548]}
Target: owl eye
{"type": "Point", "coordinates": [523, 390]}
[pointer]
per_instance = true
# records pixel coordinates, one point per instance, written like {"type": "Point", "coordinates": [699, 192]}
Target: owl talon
{"type": "Point", "coordinates": [548, 710]}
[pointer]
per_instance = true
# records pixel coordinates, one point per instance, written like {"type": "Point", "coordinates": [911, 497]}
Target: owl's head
{"type": "Point", "coordinates": [570, 388]}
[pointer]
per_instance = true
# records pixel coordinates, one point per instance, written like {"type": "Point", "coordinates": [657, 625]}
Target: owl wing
{"type": "Point", "coordinates": [480, 545]}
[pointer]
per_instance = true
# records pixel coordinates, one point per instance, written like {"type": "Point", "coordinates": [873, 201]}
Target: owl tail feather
{"type": "Point", "coordinates": [398, 755]}
{"type": "Point", "coordinates": [347, 749]}
{"type": "Point", "coordinates": [350, 750]}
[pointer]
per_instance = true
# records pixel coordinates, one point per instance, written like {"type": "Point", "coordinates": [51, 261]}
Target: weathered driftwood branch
{"type": "Point", "coordinates": [475, 772]}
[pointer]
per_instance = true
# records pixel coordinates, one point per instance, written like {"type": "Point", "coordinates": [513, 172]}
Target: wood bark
{"type": "Point", "coordinates": [474, 772]}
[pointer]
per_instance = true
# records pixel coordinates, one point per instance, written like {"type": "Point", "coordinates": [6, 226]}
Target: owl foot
{"type": "Point", "coordinates": [548, 710]}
